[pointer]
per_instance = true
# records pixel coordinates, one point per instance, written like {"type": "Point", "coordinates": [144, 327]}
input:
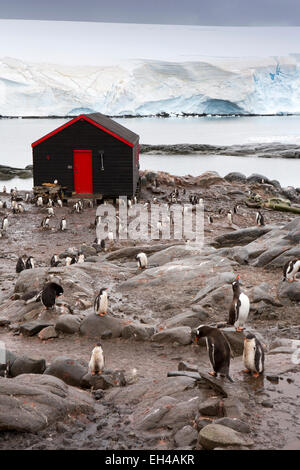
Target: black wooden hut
{"type": "Point", "coordinates": [91, 154]}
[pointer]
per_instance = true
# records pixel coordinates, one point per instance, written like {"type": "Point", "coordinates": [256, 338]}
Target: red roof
{"type": "Point", "coordinates": [102, 122]}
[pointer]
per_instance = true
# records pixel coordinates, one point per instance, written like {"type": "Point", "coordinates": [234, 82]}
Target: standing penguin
{"type": "Point", "coordinates": [39, 201]}
{"type": "Point", "coordinates": [45, 222]}
{"type": "Point", "coordinates": [96, 364]}
{"type": "Point", "coordinates": [259, 218]}
{"type": "Point", "coordinates": [63, 224]}
{"type": "Point", "coordinates": [210, 219]}
{"type": "Point", "coordinates": [29, 263]}
{"type": "Point", "coordinates": [218, 350]}
{"type": "Point", "coordinates": [4, 223]}
{"type": "Point", "coordinates": [253, 355]}
{"type": "Point", "coordinates": [240, 306]}
{"type": "Point", "coordinates": [21, 264]}
{"type": "Point", "coordinates": [229, 218]}
{"type": "Point", "coordinates": [101, 302]}
{"type": "Point", "coordinates": [142, 260]}
{"type": "Point", "coordinates": [54, 261]}
{"type": "Point", "coordinates": [49, 294]}
{"type": "Point", "coordinates": [290, 270]}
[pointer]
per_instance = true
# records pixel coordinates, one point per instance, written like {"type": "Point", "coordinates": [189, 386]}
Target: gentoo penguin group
{"type": "Point", "coordinates": [259, 219]}
{"type": "Point", "coordinates": [240, 306]}
{"type": "Point", "coordinates": [142, 260]}
{"type": "Point", "coordinates": [218, 350]}
{"type": "Point", "coordinates": [21, 264]}
{"type": "Point", "coordinates": [96, 364]}
{"type": "Point", "coordinates": [63, 224]}
{"type": "Point", "coordinates": [101, 302]}
{"type": "Point", "coordinates": [29, 263]}
{"type": "Point", "coordinates": [49, 294]}
{"type": "Point", "coordinates": [253, 355]}
{"type": "Point", "coordinates": [290, 270]}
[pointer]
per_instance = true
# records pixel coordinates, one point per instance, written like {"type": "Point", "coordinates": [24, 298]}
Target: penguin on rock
{"type": "Point", "coordinates": [48, 296]}
{"type": "Point", "coordinates": [54, 261]}
{"type": "Point", "coordinates": [101, 302]}
{"type": "Point", "coordinates": [253, 355]}
{"type": "Point", "coordinates": [219, 350]}
{"type": "Point", "coordinates": [142, 260]}
{"type": "Point", "coordinates": [239, 308]}
{"type": "Point", "coordinates": [29, 263]}
{"type": "Point", "coordinates": [290, 269]}
{"type": "Point", "coordinates": [21, 264]}
{"type": "Point", "coordinates": [96, 364]}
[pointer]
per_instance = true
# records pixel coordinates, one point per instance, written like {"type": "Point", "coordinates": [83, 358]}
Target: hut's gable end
{"type": "Point", "coordinates": [53, 158]}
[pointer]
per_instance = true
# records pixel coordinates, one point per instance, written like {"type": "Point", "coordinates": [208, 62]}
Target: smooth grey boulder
{"type": "Point", "coordinates": [33, 327]}
{"type": "Point", "coordinates": [217, 435]}
{"type": "Point", "coordinates": [180, 334]}
{"type": "Point", "coordinates": [190, 318]}
{"type": "Point", "coordinates": [138, 332]}
{"type": "Point", "coordinates": [68, 323]}
{"type": "Point", "coordinates": [186, 436]}
{"type": "Point", "coordinates": [289, 291]}
{"type": "Point", "coordinates": [27, 365]}
{"type": "Point", "coordinates": [234, 423]}
{"type": "Point", "coordinates": [236, 176]}
{"type": "Point", "coordinates": [31, 402]}
{"type": "Point", "coordinates": [95, 326]}
{"type": "Point", "coordinates": [240, 237]}
{"type": "Point", "coordinates": [67, 369]}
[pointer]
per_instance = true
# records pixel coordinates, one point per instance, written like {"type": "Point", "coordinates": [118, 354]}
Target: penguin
{"type": "Point", "coordinates": [50, 202]}
{"type": "Point", "coordinates": [210, 219]}
{"type": "Point", "coordinates": [51, 291]}
{"type": "Point", "coordinates": [54, 261]}
{"type": "Point", "coordinates": [50, 211]}
{"type": "Point", "coordinates": [21, 264]}
{"type": "Point", "coordinates": [240, 307]}
{"type": "Point", "coordinates": [101, 302]}
{"type": "Point", "coordinates": [14, 206]}
{"type": "Point", "coordinates": [4, 189]}
{"type": "Point", "coordinates": [259, 219]}
{"type": "Point", "coordinates": [80, 258]}
{"type": "Point", "coordinates": [76, 207]}
{"type": "Point", "coordinates": [71, 260]}
{"type": "Point", "coordinates": [45, 222]}
{"type": "Point", "coordinates": [96, 364]}
{"type": "Point", "coordinates": [4, 223]}
{"type": "Point", "coordinates": [219, 351]}
{"type": "Point", "coordinates": [59, 203]}
{"type": "Point", "coordinates": [129, 203]}
{"type": "Point", "coordinates": [29, 263]}
{"type": "Point", "coordinates": [290, 270]}
{"type": "Point", "coordinates": [27, 196]}
{"type": "Point", "coordinates": [253, 355]}
{"type": "Point", "coordinates": [142, 260]}
{"type": "Point", "coordinates": [20, 208]}
{"type": "Point", "coordinates": [236, 208]}
{"type": "Point", "coordinates": [110, 236]}
{"type": "Point", "coordinates": [55, 181]}
{"type": "Point", "coordinates": [229, 218]}
{"type": "Point", "coordinates": [63, 224]}
{"type": "Point", "coordinates": [39, 201]}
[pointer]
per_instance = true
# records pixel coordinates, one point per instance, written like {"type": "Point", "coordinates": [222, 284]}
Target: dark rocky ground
{"type": "Point", "coordinates": [149, 328]}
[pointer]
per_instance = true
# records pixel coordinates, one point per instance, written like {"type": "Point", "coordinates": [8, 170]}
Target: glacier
{"type": "Point", "coordinates": [250, 85]}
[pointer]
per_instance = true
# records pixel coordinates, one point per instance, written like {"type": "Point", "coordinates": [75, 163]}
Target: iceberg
{"type": "Point", "coordinates": [269, 85]}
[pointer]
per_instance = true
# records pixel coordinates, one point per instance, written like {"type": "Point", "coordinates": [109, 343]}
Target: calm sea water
{"type": "Point", "coordinates": [16, 136]}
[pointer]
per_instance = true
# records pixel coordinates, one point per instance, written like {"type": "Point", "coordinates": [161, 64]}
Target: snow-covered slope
{"type": "Point", "coordinates": [248, 85]}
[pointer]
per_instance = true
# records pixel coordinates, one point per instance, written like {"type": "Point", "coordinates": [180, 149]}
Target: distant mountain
{"type": "Point", "coordinates": [217, 86]}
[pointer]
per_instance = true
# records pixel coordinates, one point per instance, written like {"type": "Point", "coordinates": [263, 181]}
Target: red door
{"type": "Point", "coordinates": [83, 174]}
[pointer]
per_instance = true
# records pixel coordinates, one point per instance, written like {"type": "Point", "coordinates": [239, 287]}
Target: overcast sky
{"type": "Point", "coordinates": [189, 12]}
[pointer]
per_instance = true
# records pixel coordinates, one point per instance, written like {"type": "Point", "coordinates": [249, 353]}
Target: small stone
{"type": "Point", "coordinates": [267, 404]}
{"type": "Point", "coordinates": [47, 333]}
{"type": "Point", "coordinates": [186, 436]}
